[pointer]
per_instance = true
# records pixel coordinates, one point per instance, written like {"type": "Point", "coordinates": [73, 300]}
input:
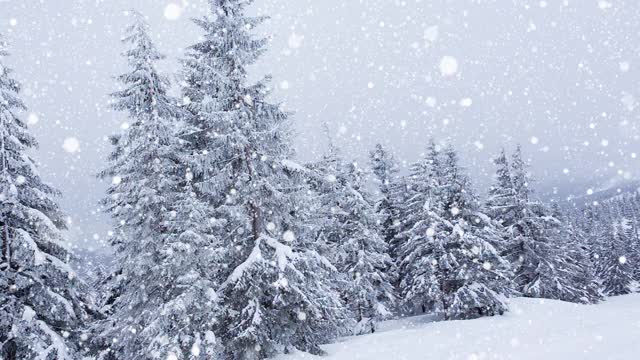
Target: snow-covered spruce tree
{"type": "Point", "coordinates": [326, 189]}
{"type": "Point", "coordinates": [501, 201]}
{"type": "Point", "coordinates": [449, 259]}
{"type": "Point", "coordinates": [42, 304]}
{"type": "Point", "coordinates": [592, 226]}
{"type": "Point", "coordinates": [400, 194]}
{"type": "Point", "coordinates": [417, 283]}
{"type": "Point", "coordinates": [165, 254]}
{"type": "Point", "coordinates": [385, 170]}
{"type": "Point", "coordinates": [634, 223]}
{"type": "Point", "coordinates": [609, 223]}
{"type": "Point", "coordinates": [616, 271]}
{"type": "Point", "coordinates": [351, 229]}
{"type": "Point", "coordinates": [628, 229]}
{"type": "Point", "coordinates": [520, 177]}
{"type": "Point", "coordinates": [475, 273]}
{"type": "Point", "coordinates": [501, 204]}
{"type": "Point", "coordinates": [276, 293]}
{"type": "Point", "coordinates": [577, 258]}
{"type": "Point", "coordinates": [538, 245]}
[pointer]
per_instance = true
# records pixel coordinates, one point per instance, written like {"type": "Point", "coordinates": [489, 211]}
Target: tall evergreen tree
{"type": "Point", "coordinates": [352, 231]}
{"type": "Point", "coordinates": [416, 288]}
{"type": "Point", "coordinates": [42, 304]}
{"type": "Point", "coordinates": [629, 235]}
{"type": "Point", "coordinates": [449, 258]}
{"type": "Point", "coordinates": [400, 194]}
{"type": "Point", "coordinates": [276, 292]}
{"type": "Point", "coordinates": [501, 203]}
{"type": "Point", "coordinates": [385, 170]}
{"type": "Point", "coordinates": [591, 226]}
{"type": "Point", "coordinates": [575, 249]}
{"type": "Point", "coordinates": [165, 252]}
{"type": "Point", "coordinates": [617, 273]}
{"type": "Point", "coordinates": [611, 227]}
{"type": "Point", "coordinates": [520, 178]}
{"type": "Point", "coordinates": [538, 244]}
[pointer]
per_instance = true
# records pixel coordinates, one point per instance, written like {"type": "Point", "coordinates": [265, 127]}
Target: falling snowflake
{"type": "Point", "coordinates": [625, 66]}
{"type": "Point", "coordinates": [172, 11]}
{"type": "Point", "coordinates": [466, 102]}
{"type": "Point", "coordinates": [604, 5]}
{"type": "Point", "coordinates": [71, 145]}
{"type": "Point", "coordinates": [33, 119]}
{"type": "Point", "coordinates": [448, 66]}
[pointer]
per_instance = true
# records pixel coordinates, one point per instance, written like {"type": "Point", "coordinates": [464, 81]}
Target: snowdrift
{"type": "Point", "coordinates": [534, 329]}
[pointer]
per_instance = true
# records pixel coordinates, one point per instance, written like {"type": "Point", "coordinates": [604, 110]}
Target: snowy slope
{"type": "Point", "coordinates": [534, 329]}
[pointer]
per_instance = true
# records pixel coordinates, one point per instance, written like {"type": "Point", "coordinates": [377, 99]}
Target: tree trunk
{"type": "Point", "coordinates": [6, 245]}
{"type": "Point", "coordinates": [255, 220]}
{"type": "Point", "coordinates": [9, 351]}
{"type": "Point", "coordinates": [444, 308]}
{"type": "Point", "coordinates": [254, 209]}
{"type": "Point", "coordinates": [444, 291]}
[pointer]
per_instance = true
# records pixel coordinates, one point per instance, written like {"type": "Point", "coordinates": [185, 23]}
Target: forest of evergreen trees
{"type": "Point", "coordinates": [227, 248]}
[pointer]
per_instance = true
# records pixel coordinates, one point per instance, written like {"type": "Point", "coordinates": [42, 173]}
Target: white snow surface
{"type": "Point", "coordinates": [533, 329]}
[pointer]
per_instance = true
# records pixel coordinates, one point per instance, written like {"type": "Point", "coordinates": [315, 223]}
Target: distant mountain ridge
{"type": "Point", "coordinates": [608, 193]}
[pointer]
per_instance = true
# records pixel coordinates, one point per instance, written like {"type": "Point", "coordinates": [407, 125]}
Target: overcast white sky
{"type": "Point", "coordinates": [560, 77]}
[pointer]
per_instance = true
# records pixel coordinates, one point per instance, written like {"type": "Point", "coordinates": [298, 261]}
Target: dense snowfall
{"type": "Point", "coordinates": [225, 244]}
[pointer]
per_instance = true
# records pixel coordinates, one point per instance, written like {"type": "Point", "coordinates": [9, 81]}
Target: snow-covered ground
{"type": "Point", "coordinates": [534, 329]}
